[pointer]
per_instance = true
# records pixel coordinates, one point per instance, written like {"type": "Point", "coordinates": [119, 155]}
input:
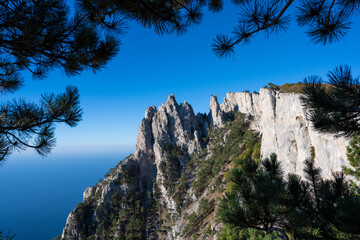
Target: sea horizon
{"type": "Point", "coordinates": [38, 192]}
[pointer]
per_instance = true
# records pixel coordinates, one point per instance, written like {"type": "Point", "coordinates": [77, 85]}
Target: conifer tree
{"type": "Point", "coordinates": [324, 21]}
{"type": "Point", "coordinates": [333, 106]}
{"type": "Point", "coordinates": [7, 236]}
{"type": "Point", "coordinates": [353, 155]}
{"type": "Point", "coordinates": [39, 36]}
{"type": "Point", "coordinates": [314, 208]}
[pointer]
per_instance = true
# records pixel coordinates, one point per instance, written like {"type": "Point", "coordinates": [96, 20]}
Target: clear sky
{"type": "Point", "coordinates": [148, 68]}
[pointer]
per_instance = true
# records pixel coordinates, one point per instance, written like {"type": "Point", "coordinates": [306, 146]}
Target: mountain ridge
{"type": "Point", "coordinates": [154, 193]}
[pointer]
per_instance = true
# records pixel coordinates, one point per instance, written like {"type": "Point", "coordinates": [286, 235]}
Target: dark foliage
{"type": "Point", "coordinates": [324, 21]}
{"type": "Point", "coordinates": [24, 124]}
{"type": "Point", "coordinates": [353, 156]}
{"type": "Point", "coordinates": [333, 106]}
{"type": "Point", "coordinates": [39, 36]}
{"type": "Point", "coordinates": [171, 167]}
{"type": "Point", "coordinates": [83, 215]}
{"type": "Point", "coordinates": [165, 16]}
{"type": "Point", "coordinates": [7, 236]}
{"type": "Point", "coordinates": [305, 209]}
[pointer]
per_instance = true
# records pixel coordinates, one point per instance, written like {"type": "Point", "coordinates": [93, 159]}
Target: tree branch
{"type": "Point", "coordinates": [266, 26]}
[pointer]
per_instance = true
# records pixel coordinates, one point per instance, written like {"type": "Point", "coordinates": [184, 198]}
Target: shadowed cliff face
{"type": "Point", "coordinates": [140, 197]}
{"type": "Point", "coordinates": [171, 125]}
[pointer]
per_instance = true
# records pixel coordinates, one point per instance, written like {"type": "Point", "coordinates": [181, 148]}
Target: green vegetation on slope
{"type": "Point", "coordinates": [226, 144]}
{"type": "Point", "coordinates": [287, 87]}
{"type": "Point", "coordinates": [353, 155]}
{"type": "Point", "coordinates": [120, 217]}
{"type": "Point", "coordinates": [315, 208]}
{"type": "Point", "coordinates": [195, 220]}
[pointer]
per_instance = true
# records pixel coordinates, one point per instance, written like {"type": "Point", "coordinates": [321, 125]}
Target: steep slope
{"type": "Point", "coordinates": [281, 119]}
{"type": "Point", "coordinates": [169, 187]}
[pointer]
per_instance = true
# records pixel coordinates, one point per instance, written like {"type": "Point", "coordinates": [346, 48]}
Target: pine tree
{"type": "Point", "coordinates": [165, 16]}
{"type": "Point", "coordinates": [39, 36]}
{"type": "Point", "coordinates": [333, 106]}
{"type": "Point", "coordinates": [8, 236]}
{"type": "Point", "coordinates": [353, 155]}
{"type": "Point", "coordinates": [324, 21]}
{"type": "Point", "coordinates": [303, 209]}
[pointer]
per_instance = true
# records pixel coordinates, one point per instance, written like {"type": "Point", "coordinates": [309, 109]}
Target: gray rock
{"type": "Point", "coordinates": [281, 119]}
{"type": "Point", "coordinates": [89, 191]}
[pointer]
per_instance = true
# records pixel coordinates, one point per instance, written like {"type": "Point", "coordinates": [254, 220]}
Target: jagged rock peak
{"type": "Point", "coordinates": [171, 100]}
{"type": "Point", "coordinates": [217, 116]}
{"type": "Point", "coordinates": [170, 124]}
{"type": "Point", "coordinates": [150, 111]}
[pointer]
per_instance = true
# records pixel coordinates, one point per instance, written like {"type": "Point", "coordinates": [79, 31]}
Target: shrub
{"type": "Point", "coordinates": [353, 155]}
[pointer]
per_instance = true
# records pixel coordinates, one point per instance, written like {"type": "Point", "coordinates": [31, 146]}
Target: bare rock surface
{"type": "Point", "coordinates": [281, 119]}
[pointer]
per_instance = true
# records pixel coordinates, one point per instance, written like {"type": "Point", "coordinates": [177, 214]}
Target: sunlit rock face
{"type": "Point", "coordinates": [172, 124]}
{"type": "Point", "coordinates": [281, 119]}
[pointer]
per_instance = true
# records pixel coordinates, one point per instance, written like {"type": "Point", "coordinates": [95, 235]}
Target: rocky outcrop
{"type": "Point", "coordinates": [172, 124]}
{"type": "Point", "coordinates": [281, 119]}
{"type": "Point", "coordinates": [141, 192]}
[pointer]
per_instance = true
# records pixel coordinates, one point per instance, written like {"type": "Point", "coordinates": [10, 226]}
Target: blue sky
{"type": "Point", "coordinates": [148, 68]}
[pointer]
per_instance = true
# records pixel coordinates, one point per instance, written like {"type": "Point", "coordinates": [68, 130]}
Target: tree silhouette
{"type": "Point", "coordinates": [353, 155]}
{"type": "Point", "coordinates": [324, 21]}
{"type": "Point", "coordinates": [333, 106]}
{"type": "Point", "coordinates": [8, 236]}
{"type": "Point", "coordinates": [39, 36]}
{"type": "Point", "coordinates": [305, 209]}
{"type": "Point", "coordinates": [165, 16]}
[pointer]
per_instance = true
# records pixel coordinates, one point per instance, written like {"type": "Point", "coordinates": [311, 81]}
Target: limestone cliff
{"type": "Point", "coordinates": [176, 172]}
{"type": "Point", "coordinates": [281, 120]}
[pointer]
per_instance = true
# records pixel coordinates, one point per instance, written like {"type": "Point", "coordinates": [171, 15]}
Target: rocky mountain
{"type": "Point", "coordinates": [170, 186]}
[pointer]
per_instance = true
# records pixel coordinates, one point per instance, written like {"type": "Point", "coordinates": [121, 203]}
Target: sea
{"type": "Point", "coordinates": [37, 193]}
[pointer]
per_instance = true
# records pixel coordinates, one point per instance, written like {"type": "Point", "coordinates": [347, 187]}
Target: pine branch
{"type": "Point", "coordinates": [224, 46]}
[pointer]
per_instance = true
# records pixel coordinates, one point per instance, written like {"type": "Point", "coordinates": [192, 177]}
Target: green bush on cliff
{"type": "Point", "coordinates": [191, 225]}
{"type": "Point", "coordinates": [180, 191]}
{"type": "Point", "coordinates": [235, 233]}
{"type": "Point", "coordinates": [170, 166]}
{"type": "Point", "coordinates": [287, 87]}
{"type": "Point", "coordinates": [135, 228]}
{"type": "Point", "coordinates": [195, 220]}
{"type": "Point", "coordinates": [353, 155]}
{"type": "Point", "coordinates": [83, 216]}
